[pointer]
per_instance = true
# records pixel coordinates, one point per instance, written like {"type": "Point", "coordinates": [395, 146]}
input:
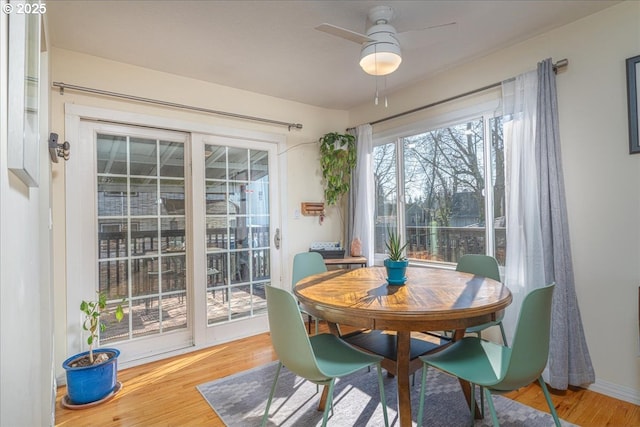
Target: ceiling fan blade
{"type": "Point", "coordinates": [449, 26]}
{"type": "Point", "coordinates": [343, 33]}
{"type": "Point", "coordinates": [432, 35]}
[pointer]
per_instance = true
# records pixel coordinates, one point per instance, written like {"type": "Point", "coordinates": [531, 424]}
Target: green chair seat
{"type": "Point", "coordinates": [498, 368]}
{"type": "Point", "coordinates": [478, 361]}
{"type": "Point", "coordinates": [320, 359]}
{"type": "Point", "coordinates": [336, 358]}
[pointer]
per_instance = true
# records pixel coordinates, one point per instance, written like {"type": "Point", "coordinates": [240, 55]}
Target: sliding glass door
{"type": "Point", "coordinates": [179, 226]}
{"type": "Point", "coordinates": [141, 233]}
{"type": "Point", "coordinates": [237, 239]}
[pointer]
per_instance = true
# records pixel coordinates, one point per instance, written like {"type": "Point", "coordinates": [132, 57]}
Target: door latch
{"type": "Point", "coordinates": [276, 239]}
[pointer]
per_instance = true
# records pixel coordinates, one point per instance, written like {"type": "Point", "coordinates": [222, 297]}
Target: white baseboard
{"type": "Point", "coordinates": [616, 391]}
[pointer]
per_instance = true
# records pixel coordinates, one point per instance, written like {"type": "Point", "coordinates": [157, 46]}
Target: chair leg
{"type": "Point", "coordinates": [504, 336]}
{"type": "Point", "coordinates": [316, 319]}
{"type": "Point", "coordinates": [422, 394]}
{"type": "Point", "coordinates": [383, 399]}
{"type": "Point", "coordinates": [472, 404]}
{"type": "Point", "coordinates": [328, 404]}
{"type": "Point", "coordinates": [494, 417]}
{"type": "Point", "coordinates": [552, 408]}
{"type": "Point", "coordinates": [273, 389]}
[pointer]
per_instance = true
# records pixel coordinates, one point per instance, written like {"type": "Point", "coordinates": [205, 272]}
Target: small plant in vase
{"type": "Point", "coordinates": [396, 262]}
{"type": "Point", "coordinates": [92, 311]}
{"type": "Point", "coordinates": [92, 375]}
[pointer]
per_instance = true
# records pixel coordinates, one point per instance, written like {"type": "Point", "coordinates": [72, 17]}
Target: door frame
{"type": "Point", "coordinates": [202, 338]}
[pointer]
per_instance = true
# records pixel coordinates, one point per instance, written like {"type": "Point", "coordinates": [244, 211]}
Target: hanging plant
{"type": "Point", "coordinates": [337, 160]}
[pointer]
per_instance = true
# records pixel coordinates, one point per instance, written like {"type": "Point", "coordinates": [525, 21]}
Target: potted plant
{"type": "Point", "coordinates": [396, 263]}
{"type": "Point", "coordinates": [337, 160]}
{"type": "Point", "coordinates": [92, 375]}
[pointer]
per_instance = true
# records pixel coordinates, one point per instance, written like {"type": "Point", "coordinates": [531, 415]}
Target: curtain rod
{"type": "Point", "coordinates": [557, 66]}
{"type": "Point", "coordinates": [64, 86]}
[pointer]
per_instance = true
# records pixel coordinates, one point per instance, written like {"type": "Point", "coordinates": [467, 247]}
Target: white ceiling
{"type": "Point", "coordinates": [271, 47]}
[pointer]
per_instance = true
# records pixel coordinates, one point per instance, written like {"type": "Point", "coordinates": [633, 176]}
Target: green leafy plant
{"type": "Point", "coordinates": [92, 311]}
{"type": "Point", "coordinates": [394, 246]}
{"type": "Point", "coordinates": [337, 160]}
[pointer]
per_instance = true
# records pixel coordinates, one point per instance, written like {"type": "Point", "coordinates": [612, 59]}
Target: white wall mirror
{"type": "Point", "coordinates": [24, 93]}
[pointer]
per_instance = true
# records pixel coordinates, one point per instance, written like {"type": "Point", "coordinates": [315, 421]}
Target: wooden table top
{"type": "Point", "coordinates": [432, 299]}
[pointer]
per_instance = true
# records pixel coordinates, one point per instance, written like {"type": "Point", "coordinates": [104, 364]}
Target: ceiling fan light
{"type": "Point", "coordinates": [381, 63]}
{"type": "Point", "coordinates": [380, 59]}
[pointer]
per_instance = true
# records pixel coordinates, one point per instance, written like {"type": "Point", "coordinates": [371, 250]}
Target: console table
{"type": "Point", "coordinates": [347, 261]}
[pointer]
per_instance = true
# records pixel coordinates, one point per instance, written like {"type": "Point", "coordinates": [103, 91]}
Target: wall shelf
{"type": "Point", "coordinates": [312, 208]}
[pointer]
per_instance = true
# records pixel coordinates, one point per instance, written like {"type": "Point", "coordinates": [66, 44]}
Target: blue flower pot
{"type": "Point", "coordinates": [86, 384]}
{"type": "Point", "coordinates": [396, 271]}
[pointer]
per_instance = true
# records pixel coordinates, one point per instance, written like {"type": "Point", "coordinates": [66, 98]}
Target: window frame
{"type": "Point", "coordinates": [486, 111]}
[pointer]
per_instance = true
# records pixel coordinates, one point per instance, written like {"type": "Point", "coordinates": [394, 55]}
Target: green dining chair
{"type": "Point", "coordinates": [497, 368]}
{"type": "Point", "coordinates": [306, 264]}
{"type": "Point", "coordinates": [486, 266]}
{"type": "Point", "coordinates": [319, 358]}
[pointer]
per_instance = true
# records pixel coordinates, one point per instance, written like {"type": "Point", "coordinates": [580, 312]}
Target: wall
{"type": "Point", "coordinates": [600, 176]}
{"type": "Point", "coordinates": [27, 388]}
{"type": "Point", "coordinates": [299, 158]}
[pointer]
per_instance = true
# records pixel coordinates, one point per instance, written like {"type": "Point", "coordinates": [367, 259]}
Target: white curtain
{"type": "Point", "coordinates": [524, 268]}
{"type": "Point", "coordinates": [538, 243]}
{"type": "Point", "coordinates": [362, 192]}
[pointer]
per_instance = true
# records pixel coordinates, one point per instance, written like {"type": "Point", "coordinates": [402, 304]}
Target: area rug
{"type": "Point", "coordinates": [240, 400]}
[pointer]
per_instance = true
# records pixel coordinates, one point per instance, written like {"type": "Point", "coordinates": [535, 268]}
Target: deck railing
{"type": "Point", "coordinates": [445, 244]}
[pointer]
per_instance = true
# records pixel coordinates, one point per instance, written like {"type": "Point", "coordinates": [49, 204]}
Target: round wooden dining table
{"type": "Point", "coordinates": [431, 300]}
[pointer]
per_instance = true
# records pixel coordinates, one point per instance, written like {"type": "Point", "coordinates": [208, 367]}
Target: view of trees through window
{"type": "Point", "coordinates": [450, 185]}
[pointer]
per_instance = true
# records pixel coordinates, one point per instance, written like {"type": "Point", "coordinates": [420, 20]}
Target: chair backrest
{"type": "Point", "coordinates": [530, 347]}
{"type": "Point", "coordinates": [306, 264]}
{"type": "Point", "coordinates": [482, 265]}
{"type": "Point", "coordinates": [289, 335]}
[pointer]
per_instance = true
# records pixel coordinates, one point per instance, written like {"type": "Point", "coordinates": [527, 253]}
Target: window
{"type": "Point", "coordinates": [443, 188]}
{"type": "Point", "coordinates": [141, 237]}
{"type": "Point", "coordinates": [237, 216]}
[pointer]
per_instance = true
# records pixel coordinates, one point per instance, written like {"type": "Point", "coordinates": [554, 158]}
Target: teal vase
{"type": "Point", "coordinates": [396, 271]}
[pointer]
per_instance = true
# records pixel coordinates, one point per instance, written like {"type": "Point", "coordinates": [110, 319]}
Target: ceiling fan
{"type": "Point", "coordinates": [380, 54]}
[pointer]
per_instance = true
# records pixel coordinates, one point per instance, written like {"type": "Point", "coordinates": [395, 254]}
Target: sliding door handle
{"type": "Point", "coordinates": [276, 239]}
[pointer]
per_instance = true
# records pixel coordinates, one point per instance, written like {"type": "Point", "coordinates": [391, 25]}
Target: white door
{"type": "Point", "coordinates": [179, 225]}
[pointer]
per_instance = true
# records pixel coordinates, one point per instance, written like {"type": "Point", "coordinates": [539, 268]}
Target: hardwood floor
{"type": "Point", "coordinates": [164, 393]}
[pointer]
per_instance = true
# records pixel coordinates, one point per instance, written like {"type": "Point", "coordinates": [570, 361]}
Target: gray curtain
{"type": "Point", "coordinates": [569, 360]}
